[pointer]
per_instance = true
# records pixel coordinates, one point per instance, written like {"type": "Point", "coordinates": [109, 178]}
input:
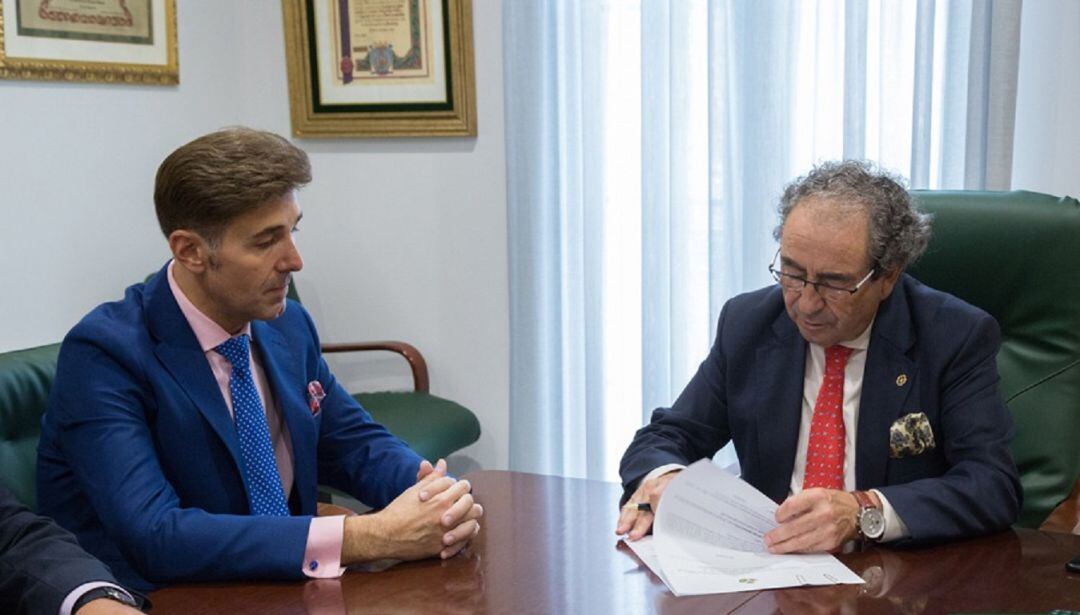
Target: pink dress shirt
{"type": "Point", "coordinates": [322, 556]}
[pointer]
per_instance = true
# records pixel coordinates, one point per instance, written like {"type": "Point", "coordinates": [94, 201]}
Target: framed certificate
{"type": "Point", "coordinates": [380, 68]}
{"type": "Point", "coordinates": [112, 41]}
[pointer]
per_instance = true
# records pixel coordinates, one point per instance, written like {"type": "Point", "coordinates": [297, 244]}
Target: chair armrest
{"type": "Point", "coordinates": [416, 360]}
{"type": "Point", "coordinates": [1066, 517]}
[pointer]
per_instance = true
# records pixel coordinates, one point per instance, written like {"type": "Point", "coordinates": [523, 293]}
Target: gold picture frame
{"type": "Point", "coordinates": [346, 82]}
{"type": "Point", "coordinates": [122, 41]}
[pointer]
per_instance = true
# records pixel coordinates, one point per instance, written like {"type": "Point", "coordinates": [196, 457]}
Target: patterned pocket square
{"type": "Point", "coordinates": [315, 396]}
{"type": "Point", "coordinates": [910, 435]}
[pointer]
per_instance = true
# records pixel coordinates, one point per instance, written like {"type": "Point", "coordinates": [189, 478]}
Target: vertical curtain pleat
{"type": "Point", "coordinates": [922, 101]}
{"type": "Point", "coordinates": [855, 16]}
{"type": "Point", "coordinates": [656, 225]}
{"type": "Point", "coordinates": [534, 135]}
{"type": "Point", "coordinates": [1004, 52]}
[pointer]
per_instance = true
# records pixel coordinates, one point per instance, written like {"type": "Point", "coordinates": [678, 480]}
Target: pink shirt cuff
{"type": "Point", "coordinates": [322, 556]}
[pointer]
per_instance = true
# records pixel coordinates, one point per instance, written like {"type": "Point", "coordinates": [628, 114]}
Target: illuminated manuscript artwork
{"type": "Point", "coordinates": [109, 41]}
{"type": "Point", "coordinates": [378, 40]}
{"type": "Point", "coordinates": [380, 68]}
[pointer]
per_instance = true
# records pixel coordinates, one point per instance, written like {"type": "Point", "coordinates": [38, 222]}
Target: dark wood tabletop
{"type": "Point", "coordinates": [548, 546]}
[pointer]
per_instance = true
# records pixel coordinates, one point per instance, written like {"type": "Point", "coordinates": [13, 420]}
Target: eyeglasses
{"type": "Point", "coordinates": [827, 292]}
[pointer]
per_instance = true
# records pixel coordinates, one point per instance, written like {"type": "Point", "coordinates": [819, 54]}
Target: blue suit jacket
{"type": "Point", "coordinates": [140, 458]}
{"type": "Point", "coordinates": [749, 390]}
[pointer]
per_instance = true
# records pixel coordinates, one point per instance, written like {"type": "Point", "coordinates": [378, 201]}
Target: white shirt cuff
{"type": "Point", "coordinates": [74, 595]}
{"type": "Point", "coordinates": [658, 472]}
{"type": "Point", "coordinates": [895, 528]}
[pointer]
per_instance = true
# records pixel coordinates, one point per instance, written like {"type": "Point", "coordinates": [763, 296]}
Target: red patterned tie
{"type": "Point", "coordinates": [825, 452]}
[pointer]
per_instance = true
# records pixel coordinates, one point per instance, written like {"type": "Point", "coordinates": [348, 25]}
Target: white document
{"type": "Point", "coordinates": [708, 538]}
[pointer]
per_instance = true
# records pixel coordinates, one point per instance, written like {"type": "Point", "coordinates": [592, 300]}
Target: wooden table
{"type": "Point", "coordinates": [548, 546]}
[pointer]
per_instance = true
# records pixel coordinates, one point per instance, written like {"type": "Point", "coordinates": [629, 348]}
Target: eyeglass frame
{"type": "Point", "coordinates": [777, 275]}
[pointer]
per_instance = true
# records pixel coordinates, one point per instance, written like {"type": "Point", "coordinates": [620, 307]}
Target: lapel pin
{"type": "Point", "coordinates": [901, 380]}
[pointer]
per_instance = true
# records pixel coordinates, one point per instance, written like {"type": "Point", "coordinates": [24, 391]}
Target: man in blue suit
{"type": "Point", "coordinates": [190, 422]}
{"type": "Point", "coordinates": [864, 401]}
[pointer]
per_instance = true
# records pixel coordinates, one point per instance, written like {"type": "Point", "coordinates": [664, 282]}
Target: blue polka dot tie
{"type": "Point", "coordinates": [261, 477]}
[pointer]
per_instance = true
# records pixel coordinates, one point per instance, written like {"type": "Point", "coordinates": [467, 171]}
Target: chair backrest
{"type": "Point", "coordinates": [1016, 255]}
{"type": "Point", "coordinates": [25, 379]}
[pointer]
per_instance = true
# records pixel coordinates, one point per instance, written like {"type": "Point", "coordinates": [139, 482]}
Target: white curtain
{"type": "Point", "coordinates": [647, 144]}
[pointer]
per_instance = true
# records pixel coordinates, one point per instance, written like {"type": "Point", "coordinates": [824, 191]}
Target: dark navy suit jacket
{"type": "Point", "coordinates": [40, 563]}
{"type": "Point", "coordinates": [140, 459]}
{"type": "Point", "coordinates": [749, 390]}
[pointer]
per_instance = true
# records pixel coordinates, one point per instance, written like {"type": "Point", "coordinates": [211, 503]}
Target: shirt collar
{"type": "Point", "coordinates": [209, 333]}
{"type": "Point", "coordinates": [861, 341]}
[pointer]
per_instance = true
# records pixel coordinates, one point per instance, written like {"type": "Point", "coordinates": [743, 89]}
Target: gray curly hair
{"type": "Point", "coordinates": [898, 231]}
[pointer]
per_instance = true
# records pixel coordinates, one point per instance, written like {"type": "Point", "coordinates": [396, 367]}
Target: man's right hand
{"type": "Point", "coordinates": [634, 523]}
{"type": "Point", "coordinates": [409, 528]}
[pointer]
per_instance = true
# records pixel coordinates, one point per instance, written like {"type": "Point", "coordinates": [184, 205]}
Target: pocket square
{"type": "Point", "coordinates": [315, 396]}
{"type": "Point", "coordinates": [910, 435]}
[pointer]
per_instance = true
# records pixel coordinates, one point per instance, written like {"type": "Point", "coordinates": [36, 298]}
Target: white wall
{"type": "Point", "coordinates": [402, 239]}
{"type": "Point", "coordinates": [1046, 149]}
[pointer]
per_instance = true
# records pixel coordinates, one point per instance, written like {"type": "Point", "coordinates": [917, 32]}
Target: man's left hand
{"type": "Point", "coordinates": [814, 521]}
{"type": "Point", "coordinates": [456, 519]}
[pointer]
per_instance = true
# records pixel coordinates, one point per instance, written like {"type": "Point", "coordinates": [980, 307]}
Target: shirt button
{"type": "Point", "coordinates": [313, 565]}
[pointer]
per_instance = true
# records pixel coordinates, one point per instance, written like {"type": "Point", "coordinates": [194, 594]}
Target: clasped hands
{"type": "Point", "coordinates": [435, 517]}
{"type": "Point", "coordinates": [812, 521]}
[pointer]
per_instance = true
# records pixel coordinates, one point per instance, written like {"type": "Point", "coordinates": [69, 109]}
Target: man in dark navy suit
{"type": "Point", "coordinates": [44, 570]}
{"type": "Point", "coordinates": [864, 401]}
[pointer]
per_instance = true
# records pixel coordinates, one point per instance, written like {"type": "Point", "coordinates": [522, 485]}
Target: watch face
{"type": "Point", "coordinates": [872, 523]}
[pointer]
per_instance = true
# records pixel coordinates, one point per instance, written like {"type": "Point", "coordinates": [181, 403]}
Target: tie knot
{"type": "Point", "coordinates": [838, 354]}
{"type": "Point", "coordinates": [235, 350]}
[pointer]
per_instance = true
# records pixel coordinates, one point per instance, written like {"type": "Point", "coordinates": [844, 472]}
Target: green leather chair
{"type": "Point", "coordinates": [433, 426]}
{"type": "Point", "coordinates": [1016, 255]}
{"type": "Point", "coordinates": [25, 378]}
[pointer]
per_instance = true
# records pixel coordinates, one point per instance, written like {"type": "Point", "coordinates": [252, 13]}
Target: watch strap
{"type": "Point", "coordinates": [863, 498]}
{"type": "Point", "coordinates": [866, 508]}
{"type": "Point", "coordinates": [106, 591]}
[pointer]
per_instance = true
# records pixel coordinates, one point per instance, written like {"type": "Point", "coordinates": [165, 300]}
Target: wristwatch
{"type": "Point", "coordinates": [871, 519]}
{"type": "Point", "coordinates": [105, 591]}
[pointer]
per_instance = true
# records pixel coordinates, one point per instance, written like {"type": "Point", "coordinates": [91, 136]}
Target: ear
{"type": "Point", "coordinates": [190, 250]}
{"type": "Point", "coordinates": [888, 281]}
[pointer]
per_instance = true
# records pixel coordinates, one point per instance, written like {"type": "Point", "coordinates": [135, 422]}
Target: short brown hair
{"type": "Point", "coordinates": [207, 183]}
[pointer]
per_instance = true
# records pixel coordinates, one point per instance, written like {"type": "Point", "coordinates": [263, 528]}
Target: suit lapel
{"type": "Point", "coordinates": [180, 353]}
{"type": "Point", "coordinates": [780, 363]}
{"type": "Point", "coordinates": [883, 391]}
{"type": "Point", "coordinates": [287, 381]}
